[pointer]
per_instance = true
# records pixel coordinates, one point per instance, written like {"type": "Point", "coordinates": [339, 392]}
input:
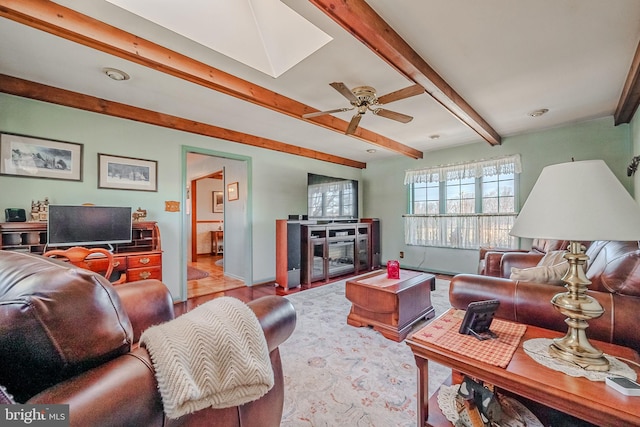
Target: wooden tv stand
{"type": "Point", "coordinates": [139, 259]}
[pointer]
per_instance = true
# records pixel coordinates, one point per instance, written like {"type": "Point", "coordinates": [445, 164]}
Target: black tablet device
{"type": "Point", "coordinates": [478, 318]}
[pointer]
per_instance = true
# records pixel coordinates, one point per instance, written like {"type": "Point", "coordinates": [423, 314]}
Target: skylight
{"type": "Point", "coordinates": [264, 34]}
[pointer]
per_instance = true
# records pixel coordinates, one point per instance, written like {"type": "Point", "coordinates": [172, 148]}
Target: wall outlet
{"type": "Point", "coordinates": [401, 254]}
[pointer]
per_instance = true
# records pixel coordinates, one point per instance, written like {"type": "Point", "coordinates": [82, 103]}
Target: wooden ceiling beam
{"type": "Point", "coordinates": [71, 25]}
{"type": "Point", "coordinates": [630, 97]}
{"type": "Point", "coordinates": [40, 92]}
{"type": "Point", "coordinates": [359, 19]}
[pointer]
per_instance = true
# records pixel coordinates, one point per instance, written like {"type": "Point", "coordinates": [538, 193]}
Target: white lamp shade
{"type": "Point", "coordinates": [579, 201]}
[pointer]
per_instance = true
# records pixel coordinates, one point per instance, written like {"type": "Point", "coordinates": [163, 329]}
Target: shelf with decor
{"type": "Point", "coordinates": [139, 259]}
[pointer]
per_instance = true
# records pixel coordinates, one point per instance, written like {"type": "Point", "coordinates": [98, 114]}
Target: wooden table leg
{"type": "Point", "coordinates": [423, 390]}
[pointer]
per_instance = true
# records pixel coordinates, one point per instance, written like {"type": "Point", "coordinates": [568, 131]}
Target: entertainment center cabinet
{"type": "Point", "coordinates": [308, 251]}
{"type": "Point", "coordinates": [140, 259]}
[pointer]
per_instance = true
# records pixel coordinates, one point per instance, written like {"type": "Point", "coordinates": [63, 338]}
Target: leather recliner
{"type": "Point", "coordinates": [614, 270]}
{"type": "Point", "coordinates": [67, 336]}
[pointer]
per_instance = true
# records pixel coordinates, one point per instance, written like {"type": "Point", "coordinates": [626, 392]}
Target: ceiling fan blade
{"type": "Point", "coordinates": [401, 94]}
{"type": "Point", "coordinates": [345, 91]}
{"type": "Point", "coordinates": [322, 113]}
{"type": "Point", "coordinates": [353, 124]}
{"type": "Point", "coordinates": [393, 115]}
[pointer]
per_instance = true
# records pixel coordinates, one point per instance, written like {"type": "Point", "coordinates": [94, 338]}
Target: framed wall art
{"type": "Point", "coordinates": [31, 157]}
{"type": "Point", "coordinates": [218, 201]}
{"type": "Point", "coordinates": [232, 191]}
{"type": "Point", "coordinates": [127, 173]}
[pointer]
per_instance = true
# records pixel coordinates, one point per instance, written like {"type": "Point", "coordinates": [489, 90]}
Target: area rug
{"type": "Point", "coordinates": [195, 274]}
{"type": "Point", "coordinates": [336, 374]}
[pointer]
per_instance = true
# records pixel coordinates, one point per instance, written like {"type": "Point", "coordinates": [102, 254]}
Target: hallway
{"type": "Point", "coordinates": [215, 282]}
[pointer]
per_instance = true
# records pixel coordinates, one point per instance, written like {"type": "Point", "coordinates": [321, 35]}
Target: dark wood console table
{"type": "Point", "coordinates": [139, 259]}
{"type": "Point", "coordinates": [587, 400]}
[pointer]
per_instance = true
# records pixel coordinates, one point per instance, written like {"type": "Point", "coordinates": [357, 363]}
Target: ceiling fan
{"type": "Point", "coordinates": [364, 98]}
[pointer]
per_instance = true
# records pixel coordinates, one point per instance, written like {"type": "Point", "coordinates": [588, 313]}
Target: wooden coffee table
{"type": "Point", "coordinates": [587, 400]}
{"type": "Point", "coordinates": [390, 306]}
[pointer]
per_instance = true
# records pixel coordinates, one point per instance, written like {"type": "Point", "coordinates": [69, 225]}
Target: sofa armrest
{"type": "Point", "coordinates": [518, 260]}
{"type": "Point", "coordinates": [530, 303]}
{"type": "Point", "coordinates": [277, 316]}
{"type": "Point", "coordinates": [120, 392]}
{"type": "Point", "coordinates": [147, 303]}
{"type": "Point", "coordinates": [492, 263]}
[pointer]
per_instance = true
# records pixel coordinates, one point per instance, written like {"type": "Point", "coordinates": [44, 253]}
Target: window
{"type": "Point", "coordinates": [466, 205]}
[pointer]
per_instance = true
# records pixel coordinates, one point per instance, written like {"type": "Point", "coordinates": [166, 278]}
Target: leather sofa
{"type": "Point", "coordinates": [67, 336]}
{"type": "Point", "coordinates": [492, 259]}
{"type": "Point", "coordinates": [614, 270]}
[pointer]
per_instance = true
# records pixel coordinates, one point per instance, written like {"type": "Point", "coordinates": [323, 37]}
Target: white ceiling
{"type": "Point", "coordinates": [506, 58]}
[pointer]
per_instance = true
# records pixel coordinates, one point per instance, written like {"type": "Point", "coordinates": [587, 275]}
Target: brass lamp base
{"type": "Point", "coordinates": [579, 307]}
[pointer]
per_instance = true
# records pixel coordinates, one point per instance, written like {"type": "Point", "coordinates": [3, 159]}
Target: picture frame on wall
{"type": "Point", "coordinates": [218, 201]}
{"type": "Point", "coordinates": [232, 191]}
{"type": "Point", "coordinates": [32, 157]}
{"type": "Point", "coordinates": [127, 173]}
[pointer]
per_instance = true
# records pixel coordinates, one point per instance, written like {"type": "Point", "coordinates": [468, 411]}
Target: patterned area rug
{"type": "Point", "coordinates": [195, 274]}
{"type": "Point", "coordinates": [340, 375]}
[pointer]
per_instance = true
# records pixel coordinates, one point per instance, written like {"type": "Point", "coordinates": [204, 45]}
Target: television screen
{"type": "Point", "coordinates": [331, 198]}
{"type": "Point", "coordinates": [88, 225]}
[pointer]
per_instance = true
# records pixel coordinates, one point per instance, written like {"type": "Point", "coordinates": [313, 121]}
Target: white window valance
{"type": "Point", "coordinates": [475, 169]}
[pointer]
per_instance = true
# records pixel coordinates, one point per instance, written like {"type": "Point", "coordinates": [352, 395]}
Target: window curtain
{"type": "Point", "coordinates": [460, 231]}
{"type": "Point", "coordinates": [475, 169]}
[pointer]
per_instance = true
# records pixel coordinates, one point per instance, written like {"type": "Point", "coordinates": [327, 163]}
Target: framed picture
{"type": "Point", "coordinates": [127, 173]}
{"type": "Point", "coordinates": [31, 157]}
{"type": "Point", "coordinates": [218, 201]}
{"type": "Point", "coordinates": [232, 191]}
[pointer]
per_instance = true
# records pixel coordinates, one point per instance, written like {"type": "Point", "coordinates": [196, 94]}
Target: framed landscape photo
{"type": "Point", "coordinates": [31, 157]}
{"type": "Point", "coordinates": [232, 191]}
{"type": "Point", "coordinates": [218, 201]}
{"type": "Point", "coordinates": [127, 173]}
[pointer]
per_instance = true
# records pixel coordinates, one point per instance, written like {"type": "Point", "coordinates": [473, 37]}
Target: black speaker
{"type": "Point", "coordinates": [15, 215]}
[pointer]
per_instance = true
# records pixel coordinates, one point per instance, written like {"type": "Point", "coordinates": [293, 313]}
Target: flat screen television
{"type": "Point", "coordinates": [332, 199]}
{"type": "Point", "coordinates": [88, 225]}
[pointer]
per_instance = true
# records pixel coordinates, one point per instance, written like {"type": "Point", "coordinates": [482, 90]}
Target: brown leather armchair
{"type": "Point", "coordinates": [493, 261]}
{"type": "Point", "coordinates": [68, 336]}
{"type": "Point", "coordinates": [614, 270]}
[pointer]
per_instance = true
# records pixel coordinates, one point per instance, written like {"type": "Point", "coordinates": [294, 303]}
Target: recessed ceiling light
{"type": "Point", "coordinates": [371, 150]}
{"type": "Point", "coordinates": [434, 136]}
{"type": "Point", "coordinates": [116, 75]}
{"type": "Point", "coordinates": [538, 113]}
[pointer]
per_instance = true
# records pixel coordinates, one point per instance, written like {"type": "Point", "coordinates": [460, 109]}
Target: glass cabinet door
{"type": "Point", "coordinates": [318, 257]}
{"type": "Point", "coordinates": [362, 248]}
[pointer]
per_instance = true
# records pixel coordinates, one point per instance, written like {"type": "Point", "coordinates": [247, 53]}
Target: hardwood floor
{"type": "Point", "coordinates": [217, 285]}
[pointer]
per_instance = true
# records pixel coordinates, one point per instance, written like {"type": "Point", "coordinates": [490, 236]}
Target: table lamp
{"type": "Point", "coordinates": [578, 201]}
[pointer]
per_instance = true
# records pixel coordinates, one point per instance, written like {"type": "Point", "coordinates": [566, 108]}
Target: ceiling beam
{"type": "Point", "coordinates": [71, 25]}
{"type": "Point", "coordinates": [630, 97]}
{"type": "Point", "coordinates": [40, 92]}
{"type": "Point", "coordinates": [359, 19]}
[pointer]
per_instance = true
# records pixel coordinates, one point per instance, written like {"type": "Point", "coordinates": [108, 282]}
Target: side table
{"type": "Point", "coordinates": [577, 396]}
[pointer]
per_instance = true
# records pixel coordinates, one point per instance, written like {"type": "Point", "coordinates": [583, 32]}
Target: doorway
{"type": "Point", "coordinates": [209, 212]}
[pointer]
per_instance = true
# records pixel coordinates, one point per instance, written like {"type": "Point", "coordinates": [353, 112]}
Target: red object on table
{"type": "Point", "coordinates": [393, 269]}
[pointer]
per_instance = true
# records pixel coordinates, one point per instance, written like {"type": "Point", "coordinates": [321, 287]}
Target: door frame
{"type": "Point", "coordinates": [185, 229]}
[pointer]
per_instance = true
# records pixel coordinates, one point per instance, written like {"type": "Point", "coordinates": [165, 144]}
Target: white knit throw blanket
{"type": "Point", "coordinates": [213, 356]}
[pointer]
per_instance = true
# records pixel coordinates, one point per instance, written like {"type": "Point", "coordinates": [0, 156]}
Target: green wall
{"type": "Point", "coordinates": [278, 180]}
{"type": "Point", "coordinates": [278, 187]}
{"type": "Point", "coordinates": [387, 197]}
